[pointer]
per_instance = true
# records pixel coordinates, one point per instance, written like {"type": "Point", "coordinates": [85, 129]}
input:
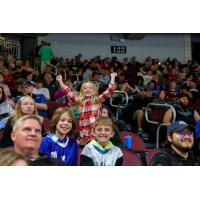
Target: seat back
{"type": "Point", "coordinates": [52, 106]}
{"type": "Point", "coordinates": [137, 142]}
{"type": "Point", "coordinates": [1, 134]}
{"type": "Point", "coordinates": [80, 149]}
{"type": "Point", "coordinates": [157, 115]}
{"type": "Point", "coordinates": [196, 105]}
{"type": "Point", "coordinates": [150, 154]}
{"type": "Point", "coordinates": [131, 158]}
{"type": "Point", "coordinates": [46, 125]}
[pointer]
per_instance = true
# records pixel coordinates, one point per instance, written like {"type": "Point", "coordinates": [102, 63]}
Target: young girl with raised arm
{"type": "Point", "coordinates": [88, 103]}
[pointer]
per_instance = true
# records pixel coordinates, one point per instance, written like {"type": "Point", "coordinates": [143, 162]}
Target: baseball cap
{"type": "Point", "coordinates": [178, 126]}
{"type": "Point", "coordinates": [143, 88]}
{"type": "Point", "coordinates": [27, 83]}
{"type": "Point", "coordinates": [183, 95]}
{"type": "Point", "coordinates": [38, 80]}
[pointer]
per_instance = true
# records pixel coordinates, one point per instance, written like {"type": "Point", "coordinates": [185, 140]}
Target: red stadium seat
{"type": "Point", "coordinates": [46, 125]}
{"type": "Point", "coordinates": [157, 115]}
{"type": "Point", "coordinates": [150, 154]}
{"type": "Point", "coordinates": [52, 106]}
{"type": "Point", "coordinates": [79, 154]}
{"type": "Point", "coordinates": [131, 159]}
{"type": "Point", "coordinates": [1, 134]}
{"type": "Point", "coordinates": [137, 142]}
{"type": "Point", "coordinates": [196, 105]}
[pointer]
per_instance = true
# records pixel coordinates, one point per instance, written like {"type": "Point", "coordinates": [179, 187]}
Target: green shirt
{"type": "Point", "coordinates": [45, 52]}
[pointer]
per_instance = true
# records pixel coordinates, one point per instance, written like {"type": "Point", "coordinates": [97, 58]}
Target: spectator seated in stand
{"type": "Point", "coordinates": [26, 136]}
{"type": "Point", "coordinates": [178, 147]}
{"type": "Point", "coordinates": [41, 101]}
{"type": "Point", "coordinates": [39, 89]}
{"type": "Point", "coordinates": [25, 106]}
{"type": "Point", "coordinates": [101, 151]}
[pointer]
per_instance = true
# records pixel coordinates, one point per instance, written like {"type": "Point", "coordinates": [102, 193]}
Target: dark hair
{"type": "Point", "coordinates": [140, 78]}
{"type": "Point", "coordinates": [45, 161]}
{"type": "Point", "coordinates": [3, 95]}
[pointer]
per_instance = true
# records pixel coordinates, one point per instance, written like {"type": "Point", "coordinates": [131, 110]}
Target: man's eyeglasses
{"type": "Point", "coordinates": [183, 134]}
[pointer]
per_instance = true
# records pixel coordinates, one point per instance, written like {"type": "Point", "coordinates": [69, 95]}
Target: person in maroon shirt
{"type": "Point", "coordinates": [9, 80]}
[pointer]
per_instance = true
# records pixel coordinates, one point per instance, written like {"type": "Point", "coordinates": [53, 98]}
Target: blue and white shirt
{"type": "Point", "coordinates": [62, 149]}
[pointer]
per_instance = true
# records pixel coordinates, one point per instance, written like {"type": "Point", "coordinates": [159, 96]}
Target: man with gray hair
{"type": "Point", "coordinates": [27, 136]}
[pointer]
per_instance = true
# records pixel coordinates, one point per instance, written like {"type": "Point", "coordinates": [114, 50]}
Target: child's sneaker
{"type": "Point", "coordinates": [140, 131]}
{"type": "Point", "coordinates": [142, 134]}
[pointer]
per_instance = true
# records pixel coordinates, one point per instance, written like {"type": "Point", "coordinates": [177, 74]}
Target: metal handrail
{"type": "Point", "coordinates": [160, 124]}
{"type": "Point", "coordinates": [118, 106]}
{"type": "Point", "coordinates": [119, 92]}
{"type": "Point", "coordinates": [53, 66]}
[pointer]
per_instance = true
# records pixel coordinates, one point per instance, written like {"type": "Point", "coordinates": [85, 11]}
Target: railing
{"type": "Point", "coordinates": [11, 46]}
{"type": "Point", "coordinates": [123, 101]}
{"type": "Point", "coordinates": [160, 124]}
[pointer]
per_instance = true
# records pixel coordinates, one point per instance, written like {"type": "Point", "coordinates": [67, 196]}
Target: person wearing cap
{"type": "Point", "coordinates": [177, 150]}
{"type": "Point", "coordinates": [104, 78]}
{"type": "Point", "coordinates": [39, 89]}
{"type": "Point", "coordinates": [41, 101]}
{"type": "Point", "coordinates": [183, 111]}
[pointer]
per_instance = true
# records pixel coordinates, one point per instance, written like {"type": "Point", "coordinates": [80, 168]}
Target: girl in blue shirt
{"type": "Point", "coordinates": [58, 144]}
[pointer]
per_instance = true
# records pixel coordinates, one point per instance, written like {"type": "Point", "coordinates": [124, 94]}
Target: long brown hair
{"type": "Point", "coordinates": [56, 117]}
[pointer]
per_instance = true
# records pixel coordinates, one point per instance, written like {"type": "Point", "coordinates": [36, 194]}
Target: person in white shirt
{"type": "Point", "coordinates": [5, 109]}
{"type": "Point", "coordinates": [39, 89]}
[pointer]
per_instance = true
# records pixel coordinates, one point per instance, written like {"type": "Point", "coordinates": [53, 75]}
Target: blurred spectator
{"type": "Point", "coordinates": [39, 89]}
{"type": "Point", "coordinates": [184, 112]}
{"type": "Point", "coordinates": [5, 108]}
{"type": "Point", "coordinates": [11, 158]}
{"type": "Point", "coordinates": [45, 53]}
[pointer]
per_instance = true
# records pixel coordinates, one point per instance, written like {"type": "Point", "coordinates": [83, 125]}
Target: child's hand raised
{"type": "Point", "coordinates": [60, 81]}
{"type": "Point", "coordinates": [59, 78]}
{"type": "Point", "coordinates": [113, 74]}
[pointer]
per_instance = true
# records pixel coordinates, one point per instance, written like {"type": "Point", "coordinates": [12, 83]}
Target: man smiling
{"type": "Point", "coordinates": [177, 150]}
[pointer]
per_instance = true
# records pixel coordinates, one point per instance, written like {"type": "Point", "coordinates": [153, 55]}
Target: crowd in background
{"type": "Point", "coordinates": [151, 81]}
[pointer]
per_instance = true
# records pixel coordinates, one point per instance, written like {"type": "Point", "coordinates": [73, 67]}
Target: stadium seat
{"type": "Point", "coordinates": [150, 154]}
{"type": "Point", "coordinates": [46, 125]}
{"type": "Point", "coordinates": [52, 106]}
{"type": "Point", "coordinates": [196, 105]}
{"type": "Point", "coordinates": [137, 142]}
{"type": "Point", "coordinates": [1, 134]}
{"type": "Point", "coordinates": [131, 158]}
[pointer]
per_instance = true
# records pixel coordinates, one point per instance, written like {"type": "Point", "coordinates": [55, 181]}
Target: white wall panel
{"type": "Point", "coordinates": [154, 45]}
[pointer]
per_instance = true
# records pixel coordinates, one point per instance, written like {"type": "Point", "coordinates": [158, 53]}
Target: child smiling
{"type": "Point", "coordinates": [101, 151]}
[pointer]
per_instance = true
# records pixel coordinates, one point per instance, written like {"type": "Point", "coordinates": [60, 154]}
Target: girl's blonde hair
{"type": "Point", "coordinates": [9, 157]}
{"type": "Point", "coordinates": [94, 97]}
{"type": "Point", "coordinates": [56, 117]}
{"type": "Point", "coordinates": [18, 112]}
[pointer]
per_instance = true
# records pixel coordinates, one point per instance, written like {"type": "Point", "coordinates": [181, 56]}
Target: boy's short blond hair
{"type": "Point", "coordinates": [103, 121]}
